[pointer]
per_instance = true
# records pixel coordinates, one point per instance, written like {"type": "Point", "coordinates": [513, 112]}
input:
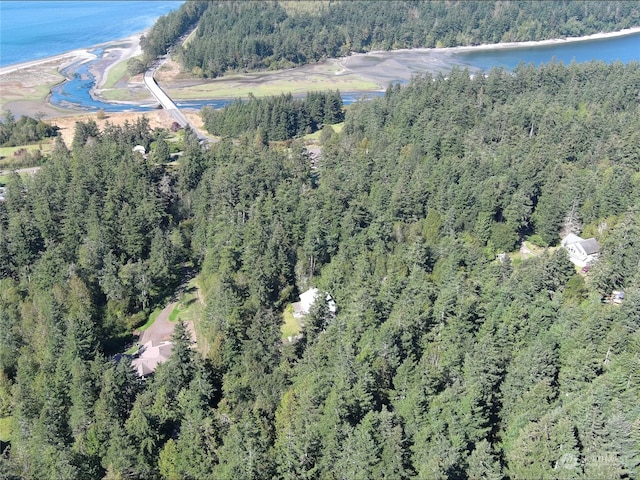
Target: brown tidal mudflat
{"type": "Point", "coordinates": [24, 88]}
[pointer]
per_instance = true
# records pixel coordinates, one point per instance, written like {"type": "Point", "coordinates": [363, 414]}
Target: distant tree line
{"type": "Point", "coordinates": [276, 118]}
{"type": "Point", "coordinates": [253, 35]}
{"type": "Point", "coordinates": [24, 131]}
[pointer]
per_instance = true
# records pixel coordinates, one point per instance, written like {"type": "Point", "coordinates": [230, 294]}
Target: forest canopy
{"type": "Point", "coordinates": [441, 361]}
{"type": "Point", "coordinates": [255, 35]}
{"type": "Point", "coordinates": [277, 118]}
{"type": "Point", "coordinates": [24, 131]}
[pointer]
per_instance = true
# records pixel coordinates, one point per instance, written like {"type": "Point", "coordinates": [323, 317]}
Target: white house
{"type": "Point", "coordinates": [581, 252]}
{"type": "Point", "coordinates": [308, 299]}
{"type": "Point", "coordinates": [139, 149]}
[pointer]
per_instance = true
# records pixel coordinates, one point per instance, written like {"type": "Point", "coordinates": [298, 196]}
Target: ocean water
{"type": "Point", "coordinates": [76, 92]}
{"type": "Point", "coordinates": [31, 30]}
{"type": "Point", "coordinates": [623, 49]}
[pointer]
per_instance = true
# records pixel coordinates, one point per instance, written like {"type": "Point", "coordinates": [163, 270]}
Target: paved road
{"type": "Point", "coordinates": [166, 101]}
{"type": "Point", "coordinates": [163, 98]}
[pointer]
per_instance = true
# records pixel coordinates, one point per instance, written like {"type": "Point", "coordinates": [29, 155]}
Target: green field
{"type": "Point", "coordinates": [8, 152]}
{"type": "Point", "coordinates": [6, 425]}
{"type": "Point", "coordinates": [189, 308]}
{"type": "Point", "coordinates": [315, 136]}
{"type": "Point", "coordinates": [9, 162]}
{"type": "Point", "coordinates": [116, 73]}
{"type": "Point", "coordinates": [291, 326]}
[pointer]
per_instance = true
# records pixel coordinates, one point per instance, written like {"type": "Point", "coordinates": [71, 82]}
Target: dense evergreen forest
{"type": "Point", "coordinates": [275, 118]}
{"type": "Point", "coordinates": [253, 35]}
{"type": "Point", "coordinates": [441, 361]}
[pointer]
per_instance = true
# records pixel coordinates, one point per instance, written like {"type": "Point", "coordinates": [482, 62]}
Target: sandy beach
{"type": "Point", "coordinates": [503, 45]}
{"type": "Point", "coordinates": [385, 67]}
{"type": "Point", "coordinates": [24, 87]}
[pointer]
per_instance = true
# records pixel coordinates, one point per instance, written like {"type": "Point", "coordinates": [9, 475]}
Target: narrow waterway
{"type": "Point", "coordinates": [388, 67]}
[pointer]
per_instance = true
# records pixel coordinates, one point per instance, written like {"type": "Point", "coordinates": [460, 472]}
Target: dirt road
{"type": "Point", "coordinates": [162, 329]}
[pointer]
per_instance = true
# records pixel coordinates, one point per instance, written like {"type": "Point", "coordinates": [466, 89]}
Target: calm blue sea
{"type": "Point", "coordinates": [30, 30]}
{"type": "Point", "coordinates": [624, 49]}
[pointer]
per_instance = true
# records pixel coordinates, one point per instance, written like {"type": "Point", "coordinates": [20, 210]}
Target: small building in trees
{"type": "Point", "coordinates": [581, 252]}
{"type": "Point", "coordinates": [140, 149]}
{"type": "Point", "coordinates": [617, 296]}
{"type": "Point", "coordinates": [308, 299]}
{"type": "Point", "coordinates": [151, 355]}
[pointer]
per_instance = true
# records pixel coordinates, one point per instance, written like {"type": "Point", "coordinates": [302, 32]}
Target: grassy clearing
{"type": "Point", "coordinates": [236, 86]}
{"type": "Point", "coordinates": [291, 326]}
{"type": "Point", "coordinates": [189, 307]}
{"type": "Point", "coordinates": [517, 256]}
{"type": "Point", "coordinates": [304, 6]}
{"type": "Point", "coordinates": [125, 94]}
{"type": "Point", "coordinates": [116, 73]}
{"type": "Point", "coordinates": [3, 180]}
{"type": "Point", "coordinates": [537, 251]}
{"type": "Point", "coordinates": [44, 147]}
{"type": "Point", "coordinates": [174, 313]}
{"type": "Point", "coordinates": [6, 425]}
{"type": "Point", "coordinates": [315, 136]}
{"type": "Point", "coordinates": [152, 318]}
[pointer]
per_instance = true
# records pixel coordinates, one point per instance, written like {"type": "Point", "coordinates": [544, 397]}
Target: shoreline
{"type": "Point", "coordinates": [511, 45]}
{"type": "Point", "coordinates": [23, 84]}
{"type": "Point", "coordinates": [36, 74]}
{"type": "Point", "coordinates": [75, 55]}
{"type": "Point", "coordinates": [85, 53]}
{"type": "Point", "coordinates": [130, 48]}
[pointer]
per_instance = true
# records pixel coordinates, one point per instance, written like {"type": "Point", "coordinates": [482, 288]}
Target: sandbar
{"type": "Point", "coordinates": [24, 87]}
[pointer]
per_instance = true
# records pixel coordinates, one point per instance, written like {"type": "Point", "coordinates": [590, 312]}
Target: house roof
{"type": "Point", "coordinates": [308, 299]}
{"type": "Point", "coordinates": [590, 246]}
{"type": "Point", "coordinates": [151, 355]}
{"type": "Point", "coordinates": [297, 309]}
{"type": "Point", "coordinates": [571, 238]}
